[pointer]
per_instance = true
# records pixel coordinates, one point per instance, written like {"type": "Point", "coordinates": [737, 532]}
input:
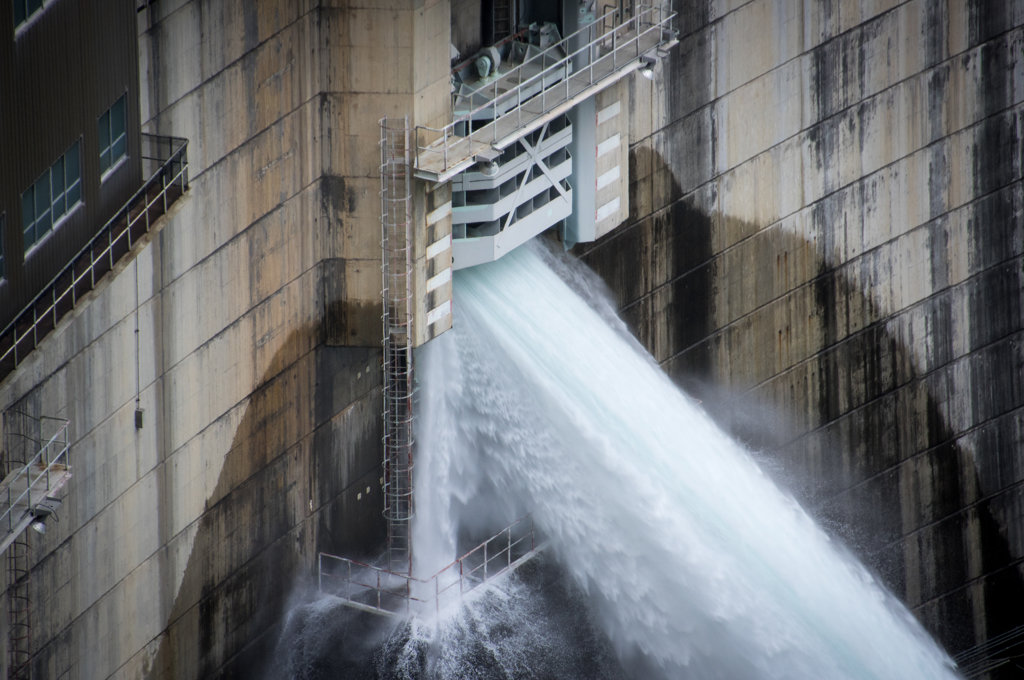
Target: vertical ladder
{"type": "Point", "coordinates": [396, 240]}
{"type": "Point", "coordinates": [21, 431]}
{"type": "Point", "coordinates": [19, 604]}
{"type": "Point", "coordinates": [502, 19]}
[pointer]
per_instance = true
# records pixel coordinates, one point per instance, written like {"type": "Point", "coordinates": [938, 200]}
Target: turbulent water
{"type": "Point", "coordinates": [685, 558]}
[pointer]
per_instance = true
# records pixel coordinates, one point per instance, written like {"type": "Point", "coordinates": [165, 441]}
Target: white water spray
{"type": "Point", "coordinates": [693, 562]}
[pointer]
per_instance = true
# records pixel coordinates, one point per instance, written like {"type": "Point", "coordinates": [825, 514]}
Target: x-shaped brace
{"type": "Point", "coordinates": [534, 154]}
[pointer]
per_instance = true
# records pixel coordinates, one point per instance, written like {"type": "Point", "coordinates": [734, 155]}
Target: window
{"type": "Point", "coordinates": [113, 140]}
{"type": "Point", "coordinates": [52, 196]}
{"type": "Point", "coordinates": [24, 10]}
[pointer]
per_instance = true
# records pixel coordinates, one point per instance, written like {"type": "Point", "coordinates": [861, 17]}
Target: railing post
{"type": "Point", "coordinates": [590, 49]}
{"type": "Point", "coordinates": [510, 547]}
{"type": "Point", "coordinates": [320, 572]}
{"type": "Point", "coordinates": [567, 78]}
{"type": "Point", "coordinates": [519, 103]}
{"type": "Point", "coordinates": [590, 54]}
{"type": "Point", "coordinates": [485, 560]}
{"type": "Point", "coordinates": [615, 33]}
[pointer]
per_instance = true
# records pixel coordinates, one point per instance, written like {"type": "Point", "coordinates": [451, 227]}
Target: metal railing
{"type": "Point", "coordinates": [100, 255]}
{"type": "Point", "coordinates": [383, 591]}
{"type": "Point", "coordinates": [54, 456]}
{"type": "Point", "coordinates": [621, 42]}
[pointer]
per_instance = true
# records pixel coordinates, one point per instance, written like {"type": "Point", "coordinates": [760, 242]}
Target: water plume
{"type": "Point", "coordinates": [690, 560]}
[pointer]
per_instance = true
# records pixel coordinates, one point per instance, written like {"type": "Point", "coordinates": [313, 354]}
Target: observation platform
{"type": "Point", "coordinates": [540, 88]}
{"type": "Point", "coordinates": [27, 492]}
{"type": "Point", "coordinates": [380, 591]}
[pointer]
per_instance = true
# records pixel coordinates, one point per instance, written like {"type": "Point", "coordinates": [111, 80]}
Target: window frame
{"type": "Point", "coordinates": [30, 17]}
{"type": "Point", "coordinates": [114, 163]}
{"type": "Point", "coordinates": [48, 209]}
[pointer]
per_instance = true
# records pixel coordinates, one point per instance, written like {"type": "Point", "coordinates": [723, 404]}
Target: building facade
{"type": "Point", "coordinates": [69, 135]}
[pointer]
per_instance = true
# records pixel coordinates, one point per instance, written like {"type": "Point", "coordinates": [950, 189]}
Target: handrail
{"type": "Point", "coordinates": [447, 135]}
{"type": "Point", "coordinates": [465, 572]}
{"type": "Point", "coordinates": [45, 467]}
{"type": "Point", "coordinates": [545, 72]}
{"type": "Point", "coordinates": [173, 173]}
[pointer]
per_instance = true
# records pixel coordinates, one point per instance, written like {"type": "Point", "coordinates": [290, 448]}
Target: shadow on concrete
{"type": "Point", "coordinates": [284, 493]}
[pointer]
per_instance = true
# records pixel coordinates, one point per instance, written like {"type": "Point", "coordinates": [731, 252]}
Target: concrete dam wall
{"type": "Point", "coordinates": [825, 243]}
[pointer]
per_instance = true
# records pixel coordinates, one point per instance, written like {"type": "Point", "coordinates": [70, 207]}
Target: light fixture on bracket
{"type": "Point", "coordinates": [41, 512]}
{"type": "Point", "coordinates": [647, 67]}
{"type": "Point", "coordinates": [487, 161]}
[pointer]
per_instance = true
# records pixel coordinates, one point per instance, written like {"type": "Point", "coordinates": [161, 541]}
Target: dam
{"type": "Point", "coordinates": [809, 214]}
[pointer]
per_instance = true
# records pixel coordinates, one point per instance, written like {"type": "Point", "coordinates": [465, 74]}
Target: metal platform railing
{"type": "Point", "coordinates": [33, 481]}
{"type": "Point", "coordinates": [100, 255]}
{"type": "Point", "coordinates": [381, 591]}
{"type": "Point", "coordinates": [613, 46]}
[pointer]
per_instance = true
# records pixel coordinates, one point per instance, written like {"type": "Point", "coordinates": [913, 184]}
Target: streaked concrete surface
{"type": "Point", "coordinates": [825, 244]}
